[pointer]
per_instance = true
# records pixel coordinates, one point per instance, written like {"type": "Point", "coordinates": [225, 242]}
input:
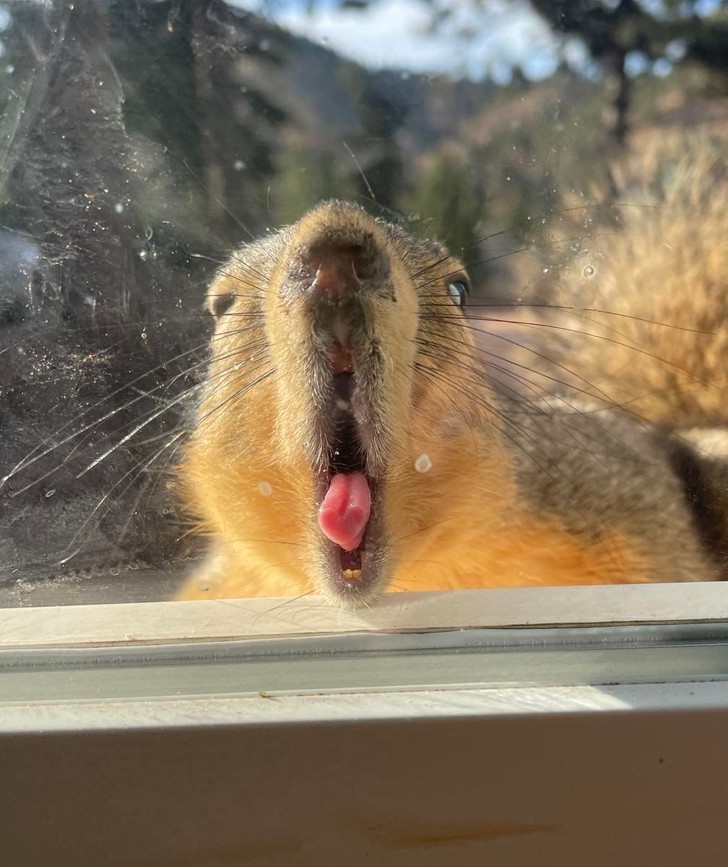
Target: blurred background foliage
{"type": "Point", "coordinates": [206, 123]}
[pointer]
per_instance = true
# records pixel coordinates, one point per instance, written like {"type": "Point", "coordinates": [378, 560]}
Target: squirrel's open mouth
{"type": "Point", "coordinates": [342, 279]}
{"type": "Point", "coordinates": [348, 503]}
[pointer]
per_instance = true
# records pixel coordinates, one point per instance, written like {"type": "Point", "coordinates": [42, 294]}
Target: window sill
{"type": "Point", "coordinates": [546, 726]}
{"type": "Point", "coordinates": [220, 620]}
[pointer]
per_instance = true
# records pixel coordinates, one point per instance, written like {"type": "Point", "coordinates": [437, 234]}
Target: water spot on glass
{"type": "Point", "coordinates": [423, 464]}
{"type": "Point", "coordinates": [265, 488]}
{"type": "Point", "coordinates": [118, 207]}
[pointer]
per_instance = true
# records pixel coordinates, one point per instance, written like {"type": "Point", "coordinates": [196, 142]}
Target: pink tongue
{"type": "Point", "coordinates": [345, 510]}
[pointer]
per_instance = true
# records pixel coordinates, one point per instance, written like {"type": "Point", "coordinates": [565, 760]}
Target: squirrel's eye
{"type": "Point", "coordinates": [458, 290]}
{"type": "Point", "coordinates": [220, 304]}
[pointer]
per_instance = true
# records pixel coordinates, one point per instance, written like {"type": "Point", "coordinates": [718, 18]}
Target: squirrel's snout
{"type": "Point", "coordinates": [330, 266]}
{"type": "Point", "coordinates": [339, 270]}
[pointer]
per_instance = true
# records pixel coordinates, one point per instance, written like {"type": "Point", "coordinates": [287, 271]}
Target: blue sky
{"type": "Point", "coordinates": [395, 34]}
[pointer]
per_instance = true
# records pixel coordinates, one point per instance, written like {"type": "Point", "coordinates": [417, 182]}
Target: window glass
{"type": "Point", "coordinates": [573, 162]}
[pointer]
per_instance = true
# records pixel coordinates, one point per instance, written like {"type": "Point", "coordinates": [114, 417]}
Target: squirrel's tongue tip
{"type": "Point", "coordinates": [345, 509]}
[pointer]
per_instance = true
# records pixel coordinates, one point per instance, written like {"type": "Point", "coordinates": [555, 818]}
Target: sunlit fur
{"type": "Point", "coordinates": [649, 324]}
{"type": "Point", "coordinates": [257, 407]}
{"type": "Point", "coordinates": [477, 517]}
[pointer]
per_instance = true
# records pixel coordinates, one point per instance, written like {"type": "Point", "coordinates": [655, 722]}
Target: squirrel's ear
{"type": "Point", "coordinates": [219, 299]}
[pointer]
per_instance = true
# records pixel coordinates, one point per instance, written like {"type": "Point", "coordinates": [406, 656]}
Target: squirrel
{"type": "Point", "coordinates": [349, 440]}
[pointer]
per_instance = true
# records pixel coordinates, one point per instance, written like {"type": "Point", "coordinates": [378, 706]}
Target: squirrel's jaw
{"type": "Point", "coordinates": [351, 576]}
{"type": "Point", "coordinates": [350, 530]}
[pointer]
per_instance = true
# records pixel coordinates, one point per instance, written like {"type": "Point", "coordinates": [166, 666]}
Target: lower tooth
{"type": "Point", "coordinates": [352, 574]}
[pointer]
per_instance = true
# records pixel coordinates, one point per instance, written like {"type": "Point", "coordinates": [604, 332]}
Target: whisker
{"type": "Point", "coordinates": [87, 428]}
{"type": "Point", "coordinates": [134, 473]}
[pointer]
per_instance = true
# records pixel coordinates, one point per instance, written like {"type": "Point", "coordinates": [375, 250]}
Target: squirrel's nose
{"type": "Point", "coordinates": [337, 254]}
{"type": "Point", "coordinates": [331, 271]}
{"type": "Point", "coordinates": [339, 270]}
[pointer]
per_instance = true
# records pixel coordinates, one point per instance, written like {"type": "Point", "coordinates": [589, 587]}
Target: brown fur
{"type": "Point", "coordinates": [517, 493]}
{"type": "Point", "coordinates": [647, 299]}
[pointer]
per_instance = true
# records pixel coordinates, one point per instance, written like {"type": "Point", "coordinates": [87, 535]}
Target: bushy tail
{"type": "Point", "coordinates": [642, 320]}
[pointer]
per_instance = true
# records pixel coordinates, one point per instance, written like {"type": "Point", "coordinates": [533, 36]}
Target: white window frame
{"type": "Point", "coordinates": [225, 619]}
{"type": "Point", "coordinates": [435, 773]}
